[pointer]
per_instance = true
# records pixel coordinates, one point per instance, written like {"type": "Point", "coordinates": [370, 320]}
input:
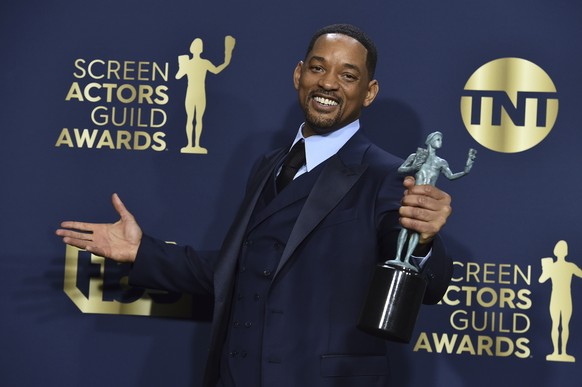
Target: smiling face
{"type": "Point", "coordinates": [333, 83]}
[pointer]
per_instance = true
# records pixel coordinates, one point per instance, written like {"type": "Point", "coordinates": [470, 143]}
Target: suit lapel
{"type": "Point", "coordinates": [333, 184]}
{"type": "Point", "coordinates": [296, 191]}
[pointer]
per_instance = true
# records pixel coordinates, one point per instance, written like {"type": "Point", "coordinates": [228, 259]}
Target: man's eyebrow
{"type": "Point", "coordinates": [352, 66]}
{"type": "Point", "coordinates": [317, 58]}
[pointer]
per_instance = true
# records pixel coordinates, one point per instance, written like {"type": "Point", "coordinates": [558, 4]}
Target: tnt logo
{"type": "Point", "coordinates": [99, 285]}
{"type": "Point", "coordinates": [509, 105]}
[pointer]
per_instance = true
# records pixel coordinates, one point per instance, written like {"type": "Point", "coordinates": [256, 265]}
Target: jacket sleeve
{"type": "Point", "coordinates": [160, 265]}
{"type": "Point", "coordinates": [438, 271]}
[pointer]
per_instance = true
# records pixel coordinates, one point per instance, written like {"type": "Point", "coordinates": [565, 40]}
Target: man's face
{"type": "Point", "coordinates": [333, 83]}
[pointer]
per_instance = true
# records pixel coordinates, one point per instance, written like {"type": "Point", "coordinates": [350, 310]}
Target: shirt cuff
{"type": "Point", "coordinates": [421, 261]}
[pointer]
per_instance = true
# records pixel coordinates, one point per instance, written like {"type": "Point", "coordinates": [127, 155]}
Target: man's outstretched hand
{"type": "Point", "coordinates": [118, 241]}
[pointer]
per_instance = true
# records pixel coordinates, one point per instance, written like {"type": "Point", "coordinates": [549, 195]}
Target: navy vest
{"type": "Point", "coordinates": [270, 226]}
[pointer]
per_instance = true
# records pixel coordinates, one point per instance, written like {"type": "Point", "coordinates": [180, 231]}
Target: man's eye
{"type": "Point", "coordinates": [316, 69]}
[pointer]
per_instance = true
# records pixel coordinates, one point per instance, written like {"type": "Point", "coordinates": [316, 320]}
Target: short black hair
{"type": "Point", "coordinates": [353, 32]}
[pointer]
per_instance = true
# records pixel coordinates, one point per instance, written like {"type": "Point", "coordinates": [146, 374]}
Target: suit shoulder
{"type": "Point", "coordinates": [378, 158]}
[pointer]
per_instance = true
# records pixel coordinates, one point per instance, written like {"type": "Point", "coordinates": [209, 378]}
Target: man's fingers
{"type": "Point", "coordinates": [427, 197]}
{"type": "Point", "coordinates": [425, 228]}
{"type": "Point", "coordinates": [409, 181]}
{"type": "Point", "coordinates": [428, 212]}
{"type": "Point", "coordinates": [79, 226]}
{"type": "Point", "coordinates": [80, 243]}
{"type": "Point", "coordinates": [118, 204]}
{"type": "Point", "coordinates": [425, 209]}
{"type": "Point", "coordinates": [84, 245]}
{"type": "Point", "coordinates": [82, 236]}
{"type": "Point", "coordinates": [120, 207]}
{"type": "Point", "coordinates": [420, 201]}
{"type": "Point", "coordinates": [430, 191]}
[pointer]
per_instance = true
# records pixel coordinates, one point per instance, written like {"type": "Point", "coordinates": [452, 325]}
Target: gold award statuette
{"type": "Point", "coordinates": [196, 68]}
{"type": "Point", "coordinates": [397, 288]}
{"type": "Point", "coordinates": [560, 272]}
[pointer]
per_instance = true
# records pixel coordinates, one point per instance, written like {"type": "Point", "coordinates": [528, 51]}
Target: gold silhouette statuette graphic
{"type": "Point", "coordinates": [195, 69]}
{"type": "Point", "coordinates": [560, 272]}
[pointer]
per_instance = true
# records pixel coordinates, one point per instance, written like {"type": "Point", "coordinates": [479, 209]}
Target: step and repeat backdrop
{"type": "Point", "coordinates": [169, 103]}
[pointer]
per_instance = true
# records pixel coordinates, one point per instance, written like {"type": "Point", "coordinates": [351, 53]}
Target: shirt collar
{"type": "Point", "coordinates": [319, 148]}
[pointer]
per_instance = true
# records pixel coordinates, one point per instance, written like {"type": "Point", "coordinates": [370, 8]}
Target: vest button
{"type": "Point", "coordinates": [267, 273]}
{"type": "Point", "coordinates": [274, 359]}
{"type": "Point", "coordinates": [248, 324]}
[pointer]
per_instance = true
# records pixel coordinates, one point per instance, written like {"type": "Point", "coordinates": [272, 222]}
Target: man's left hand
{"type": "Point", "coordinates": [425, 209]}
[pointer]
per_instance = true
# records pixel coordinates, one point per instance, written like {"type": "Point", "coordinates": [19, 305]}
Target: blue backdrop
{"type": "Point", "coordinates": [67, 318]}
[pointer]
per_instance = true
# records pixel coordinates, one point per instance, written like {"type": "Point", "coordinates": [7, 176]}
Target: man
{"type": "Point", "coordinates": [294, 268]}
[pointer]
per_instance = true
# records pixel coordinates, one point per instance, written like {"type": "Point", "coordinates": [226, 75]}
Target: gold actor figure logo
{"type": "Point", "coordinates": [196, 69]}
{"type": "Point", "coordinates": [560, 272]}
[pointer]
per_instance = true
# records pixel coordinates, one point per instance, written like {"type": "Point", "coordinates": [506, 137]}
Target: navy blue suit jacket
{"type": "Point", "coordinates": [348, 224]}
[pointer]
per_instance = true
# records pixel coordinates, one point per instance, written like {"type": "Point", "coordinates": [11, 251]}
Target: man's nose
{"type": "Point", "coordinates": [328, 81]}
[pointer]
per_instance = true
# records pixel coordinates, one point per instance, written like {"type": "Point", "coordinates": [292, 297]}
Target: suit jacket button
{"type": "Point", "coordinates": [267, 273]}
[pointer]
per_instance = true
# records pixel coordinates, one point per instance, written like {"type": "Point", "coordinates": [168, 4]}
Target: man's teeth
{"type": "Point", "coordinates": [325, 101]}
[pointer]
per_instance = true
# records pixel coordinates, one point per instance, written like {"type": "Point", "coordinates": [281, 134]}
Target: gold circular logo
{"type": "Point", "coordinates": [509, 105]}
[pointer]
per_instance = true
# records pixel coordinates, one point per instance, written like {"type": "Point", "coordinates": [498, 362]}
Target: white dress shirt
{"type": "Point", "coordinates": [319, 148]}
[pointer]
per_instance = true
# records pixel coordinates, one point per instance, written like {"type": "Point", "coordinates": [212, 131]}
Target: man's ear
{"type": "Point", "coordinates": [373, 89]}
{"type": "Point", "coordinates": [297, 74]}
